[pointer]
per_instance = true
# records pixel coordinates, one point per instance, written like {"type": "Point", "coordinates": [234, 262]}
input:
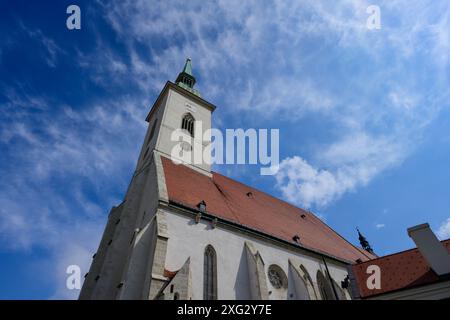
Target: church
{"type": "Point", "coordinates": [186, 232]}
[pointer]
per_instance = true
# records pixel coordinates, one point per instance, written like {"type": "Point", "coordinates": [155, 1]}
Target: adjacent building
{"type": "Point", "coordinates": [422, 273]}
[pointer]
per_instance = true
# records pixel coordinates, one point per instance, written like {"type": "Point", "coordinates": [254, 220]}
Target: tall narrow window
{"type": "Point", "coordinates": [210, 274]}
{"type": "Point", "coordinates": [188, 123]}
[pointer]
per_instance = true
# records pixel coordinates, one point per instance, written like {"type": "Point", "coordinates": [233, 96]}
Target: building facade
{"type": "Point", "coordinates": [185, 232]}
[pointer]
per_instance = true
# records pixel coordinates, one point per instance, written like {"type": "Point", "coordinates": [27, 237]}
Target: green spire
{"type": "Point", "coordinates": [186, 79]}
{"type": "Point", "coordinates": [188, 67]}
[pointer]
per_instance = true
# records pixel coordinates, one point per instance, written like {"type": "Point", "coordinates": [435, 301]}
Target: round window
{"type": "Point", "coordinates": [277, 277]}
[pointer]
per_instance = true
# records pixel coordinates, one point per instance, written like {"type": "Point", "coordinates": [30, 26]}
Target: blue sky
{"type": "Point", "coordinates": [363, 115]}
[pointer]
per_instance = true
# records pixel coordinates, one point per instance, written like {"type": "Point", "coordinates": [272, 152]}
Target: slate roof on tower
{"type": "Point", "coordinates": [233, 201]}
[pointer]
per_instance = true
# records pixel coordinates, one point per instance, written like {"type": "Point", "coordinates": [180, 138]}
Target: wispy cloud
{"type": "Point", "coordinates": [57, 162]}
{"type": "Point", "coordinates": [51, 49]}
{"type": "Point", "coordinates": [384, 125]}
{"type": "Point", "coordinates": [444, 230]}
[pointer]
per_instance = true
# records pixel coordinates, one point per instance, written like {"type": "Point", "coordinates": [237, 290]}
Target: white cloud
{"type": "Point", "coordinates": [444, 230]}
{"type": "Point", "coordinates": [352, 162]}
{"type": "Point", "coordinates": [305, 185]}
{"type": "Point", "coordinates": [380, 225]}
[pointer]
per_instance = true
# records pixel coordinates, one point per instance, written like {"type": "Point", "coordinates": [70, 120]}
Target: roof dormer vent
{"type": "Point", "coordinates": [202, 206]}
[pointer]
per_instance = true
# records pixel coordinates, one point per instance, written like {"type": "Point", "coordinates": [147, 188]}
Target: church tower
{"type": "Point", "coordinates": [132, 234]}
{"type": "Point", "coordinates": [180, 106]}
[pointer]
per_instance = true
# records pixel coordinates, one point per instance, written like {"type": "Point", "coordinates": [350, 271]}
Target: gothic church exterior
{"type": "Point", "coordinates": [185, 232]}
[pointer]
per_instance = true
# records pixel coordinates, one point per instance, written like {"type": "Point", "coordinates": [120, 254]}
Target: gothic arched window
{"type": "Point", "coordinates": [188, 123]}
{"type": "Point", "coordinates": [210, 274]}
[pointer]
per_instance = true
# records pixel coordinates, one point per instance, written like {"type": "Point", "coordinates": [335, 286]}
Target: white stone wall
{"type": "Point", "coordinates": [126, 250]}
{"type": "Point", "coordinates": [188, 239]}
{"type": "Point", "coordinates": [140, 249]}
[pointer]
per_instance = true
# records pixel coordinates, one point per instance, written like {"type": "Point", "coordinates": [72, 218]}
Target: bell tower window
{"type": "Point", "coordinates": [188, 124]}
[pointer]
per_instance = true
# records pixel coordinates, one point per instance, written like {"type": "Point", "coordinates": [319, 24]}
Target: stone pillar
{"type": "Point", "coordinates": [155, 277]}
{"type": "Point", "coordinates": [303, 283]}
{"type": "Point", "coordinates": [256, 274]}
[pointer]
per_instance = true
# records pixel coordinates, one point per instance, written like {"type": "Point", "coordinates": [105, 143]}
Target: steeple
{"type": "Point", "coordinates": [186, 79]}
{"type": "Point", "coordinates": [364, 243]}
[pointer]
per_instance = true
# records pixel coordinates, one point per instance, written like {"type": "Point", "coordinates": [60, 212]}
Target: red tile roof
{"type": "Point", "coordinates": [228, 199]}
{"type": "Point", "coordinates": [402, 270]}
{"type": "Point", "coordinates": [169, 274]}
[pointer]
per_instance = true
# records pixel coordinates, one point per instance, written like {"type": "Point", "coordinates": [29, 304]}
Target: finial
{"type": "Point", "coordinates": [364, 243]}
